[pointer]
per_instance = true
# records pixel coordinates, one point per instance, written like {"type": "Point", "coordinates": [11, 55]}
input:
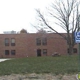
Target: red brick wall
{"type": "Point", "coordinates": [26, 44]}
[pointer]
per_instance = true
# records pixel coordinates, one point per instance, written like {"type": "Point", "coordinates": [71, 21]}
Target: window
{"type": "Point", "coordinates": [44, 41]}
{"type": "Point", "coordinates": [45, 51]}
{"type": "Point", "coordinates": [6, 52]}
{"type": "Point", "coordinates": [74, 50]}
{"type": "Point", "coordinates": [38, 41]}
{"type": "Point", "coordinates": [13, 52]}
{"type": "Point", "coordinates": [12, 42]}
{"type": "Point", "coordinates": [6, 41]}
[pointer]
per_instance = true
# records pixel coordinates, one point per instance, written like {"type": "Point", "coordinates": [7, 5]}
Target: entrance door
{"type": "Point", "coordinates": [38, 52]}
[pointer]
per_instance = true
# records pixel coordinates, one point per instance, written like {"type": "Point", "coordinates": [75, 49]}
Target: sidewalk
{"type": "Point", "coordinates": [1, 60]}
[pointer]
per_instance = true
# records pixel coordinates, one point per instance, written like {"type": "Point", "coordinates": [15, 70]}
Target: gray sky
{"type": "Point", "coordinates": [18, 14]}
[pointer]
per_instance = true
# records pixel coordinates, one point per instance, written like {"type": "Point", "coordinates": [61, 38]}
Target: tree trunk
{"type": "Point", "coordinates": [70, 49]}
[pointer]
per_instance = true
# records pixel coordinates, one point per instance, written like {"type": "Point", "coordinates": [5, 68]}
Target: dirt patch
{"type": "Point", "coordinates": [34, 76]}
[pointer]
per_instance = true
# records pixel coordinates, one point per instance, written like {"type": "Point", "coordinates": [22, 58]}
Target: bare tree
{"type": "Point", "coordinates": [41, 31]}
{"type": "Point", "coordinates": [66, 13]}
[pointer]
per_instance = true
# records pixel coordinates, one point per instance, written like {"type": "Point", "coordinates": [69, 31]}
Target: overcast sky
{"type": "Point", "coordinates": [18, 14]}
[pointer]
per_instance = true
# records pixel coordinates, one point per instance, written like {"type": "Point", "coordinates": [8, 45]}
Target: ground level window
{"type": "Point", "coordinates": [74, 50]}
{"type": "Point", "coordinates": [13, 52]}
{"type": "Point", "coordinates": [6, 52]}
{"type": "Point", "coordinates": [45, 51]}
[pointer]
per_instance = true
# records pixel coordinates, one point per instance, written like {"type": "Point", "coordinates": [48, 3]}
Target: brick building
{"type": "Point", "coordinates": [32, 44]}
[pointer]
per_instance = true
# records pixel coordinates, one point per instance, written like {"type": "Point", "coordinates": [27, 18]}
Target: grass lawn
{"type": "Point", "coordinates": [56, 65]}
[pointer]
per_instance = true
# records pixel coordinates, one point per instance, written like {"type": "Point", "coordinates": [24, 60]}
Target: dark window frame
{"type": "Point", "coordinates": [44, 41]}
{"type": "Point", "coordinates": [45, 51]}
{"type": "Point", "coordinates": [74, 50]}
{"type": "Point", "coordinates": [6, 41]}
{"type": "Point", "coordinates": [13, 52]}
{"type": "Point", "coordinates": [38, 41]}
{"type": "Point", "coordinates": [13, 43]}
{"type": "Point", "coordinates": [7, 52]}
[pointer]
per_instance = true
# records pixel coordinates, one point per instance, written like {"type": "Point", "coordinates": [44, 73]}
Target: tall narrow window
{"type": "Point", "coordinates": [6, 41]}
{"type": "Point", "coordinates": [13, 42]}
{"type": "Point", "coordinates": [38, 41]}
{"type": "Point", "coordinates": [44, 41]}
{"type": "Point", "coordinates": [13, 52]}
{"type": "Point", "coordinates": [6, 52]}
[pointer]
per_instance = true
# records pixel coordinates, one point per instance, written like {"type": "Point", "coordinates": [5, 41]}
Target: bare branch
{"type": "Point", "coordinates": [50, 26]}
{"type": "Point", "coordinates": [35, 27]}
{"type": "Point", "coordinates": [67, 16]}
{"type": "Point", "coordinates": [59, 18]}
{"type": "Point", "coordinates": [61, 25]}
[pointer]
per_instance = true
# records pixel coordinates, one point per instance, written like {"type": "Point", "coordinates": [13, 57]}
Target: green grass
{"type": "Point", "coordinates": [56, 65]}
